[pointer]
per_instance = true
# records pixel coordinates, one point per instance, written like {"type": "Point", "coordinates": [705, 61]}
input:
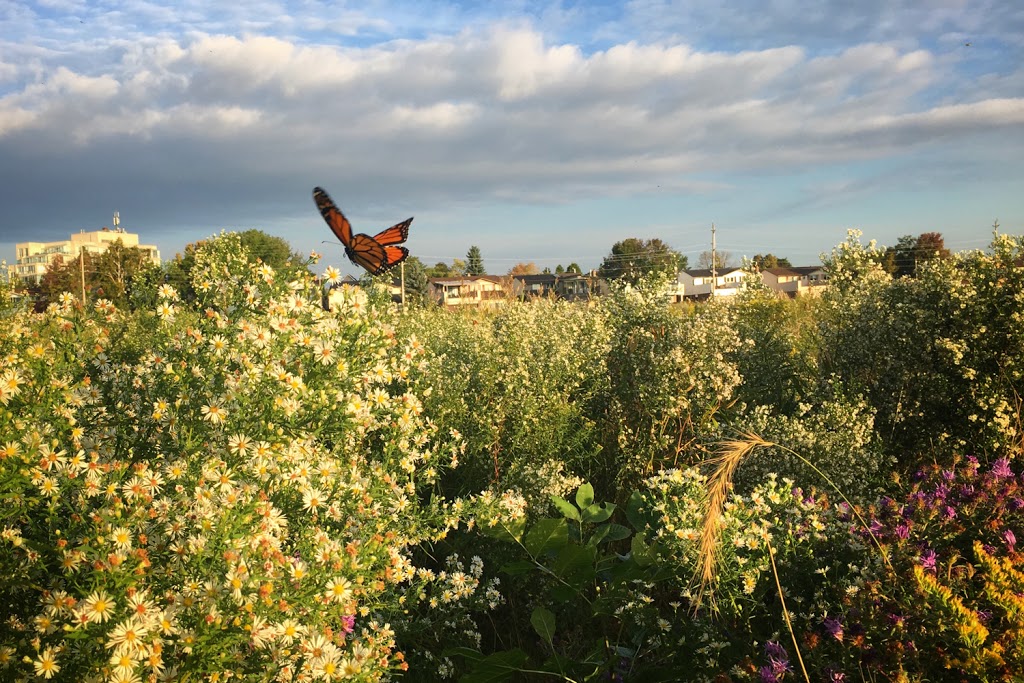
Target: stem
{"type": "Point", "coordinates": [785, 612]}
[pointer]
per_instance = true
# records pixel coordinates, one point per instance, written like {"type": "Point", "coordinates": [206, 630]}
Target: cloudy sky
{"type": "Point", "coordinates": [539, 131]}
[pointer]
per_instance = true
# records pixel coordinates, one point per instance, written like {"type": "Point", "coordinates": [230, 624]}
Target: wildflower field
{"type": "Point", "coordinates": [223, 481]}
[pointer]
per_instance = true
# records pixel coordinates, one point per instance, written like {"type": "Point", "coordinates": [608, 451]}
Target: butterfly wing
{"type": "Point", "coordinates": [336, 220]}
{"type": "Point", "coordinates": [396, 234]}
{"type": "Point", "coordinates": [393, 256]}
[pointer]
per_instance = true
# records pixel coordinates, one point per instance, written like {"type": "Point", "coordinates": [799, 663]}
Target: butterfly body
{"type": "Point", "coordinates": [377, 254]}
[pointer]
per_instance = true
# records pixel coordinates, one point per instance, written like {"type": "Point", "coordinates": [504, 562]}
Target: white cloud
{"type": "Point", "coordinates": [493, 112]}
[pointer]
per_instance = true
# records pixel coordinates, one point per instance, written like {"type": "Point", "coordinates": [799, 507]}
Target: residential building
{"type": "Point", "coordinates": [795, 281]}
{"type": "Point", "coordinates": [700, 284]}
{"type": "Point", "coordinates": [530, 286]}
{"type": "Point", "coordinates": [34, 258]}
{"type": "Point", "coordinates": [478, 291]}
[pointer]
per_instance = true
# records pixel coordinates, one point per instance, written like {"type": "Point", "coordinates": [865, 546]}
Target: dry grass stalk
{"type": "Point", "coordinates": [730, 455]}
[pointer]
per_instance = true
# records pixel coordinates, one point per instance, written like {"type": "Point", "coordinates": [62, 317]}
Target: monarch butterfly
{"type": "Point", "coordinates": [376, 254]}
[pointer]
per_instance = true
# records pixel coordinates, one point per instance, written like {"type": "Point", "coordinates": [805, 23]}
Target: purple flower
{"type": "Point", "coordinates": [775, 651]}
{"type": "Point", "coordinates": [950, 512]}
{"type": "Point", "coordinates": [1017, 503]}
{"type": "Point", "coordinates": [1001, 469]}
{"type": "Point", "coordinates": [902, 530]}
{"type": "Point", "coordinates": [941, 491]}
{"type": "Point", "coordinates": [928, 559]}
{"type": "Point", "coordinates": [834, 627]}
{"type": "Point", "coordinates": [835, 676]}
{"type": "Point", "coordinates": [948, 475]}
{"type": "Point", "coordinates": [768, 675]}
{"type": "Point", "coordinates": [1010, 539]}
{"type": "Point", "coordinates": [348, 623]}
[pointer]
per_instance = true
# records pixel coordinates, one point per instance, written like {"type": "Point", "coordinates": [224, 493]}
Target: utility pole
{"type": "Point", "coordinates": [81, 262]}
{"type": "Point", "coordinates": [714, 262]}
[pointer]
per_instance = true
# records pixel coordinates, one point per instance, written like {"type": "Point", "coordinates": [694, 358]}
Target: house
{"type": "Point", "coordinates": [580, 287]}
{"type": "Point", "coordinates": [795, 281]}
{"type": "Point", "coordinates": [700, 284]}
{"type": "Point", "coordinates": [531, 286]}
{"type": "Point", "coordinates": [34, 258]}
{"type": "Point", "coordinates": [478, 291]}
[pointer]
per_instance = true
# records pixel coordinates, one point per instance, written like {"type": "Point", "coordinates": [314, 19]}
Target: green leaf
{"type": "Point", "coordinates": [585, 496]}
{"type": "Point", "coordinates": [616, 532]}
{"type": "Point", "coordinates": [575, 561]}
{"type": "Point", "coordinates": [510, 532]}
{"type": "Point", "coordinates": [566, 508]}
{"type": "Point", "coordinates": [497, 667]}
{"type": "Point", "coordinates": [598, 512]}
{"type": "Point", "coordinates": [518, 567]}
{"type": "Point", "coordinates": [547, 534]}
{"type": "Point", "coordinates": [599, 534]}
{"type": "Point", "coordinates": [634, 511]}
{"type": "Point", "coordinates": [640, 552]}
{"type": "Point", "coordinates": [543, 621]}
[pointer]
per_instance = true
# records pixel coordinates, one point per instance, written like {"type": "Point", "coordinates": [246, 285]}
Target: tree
{"type": "Point", "coordinates": [559, 269]}
{"type": "Point", "coordinates": [417, 289]}
{"type": "Point", "coordinates": [765, 261]}
{"type": "Point", "coordinates": [474, 261]}
{"type": "Point", "coordinates": [439, 269]}
{"type": "Point", "coordinates": [547, 270]}
{"type": "Point", "coordinates": [117, 269]}
{"type": "Point", "coordinates": [272, 250]}
{"type": "Point", "coordinates": [634, 258]}
{"type": "Point", "coordinates": [904, 259]}
{"type": "Point", "coordinates": [574, 268]}
{"type": "Point", "coordinates": [723, 259]}
{"type": "Point", "coordinates": [524, 269]}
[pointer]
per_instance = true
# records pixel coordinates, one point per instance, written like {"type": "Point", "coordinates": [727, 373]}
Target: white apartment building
{"type": "Point", "coordinates": [33, 258]}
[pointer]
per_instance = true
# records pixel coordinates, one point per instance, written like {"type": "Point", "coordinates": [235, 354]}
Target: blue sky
{"type": "Point", "coordinates": [538, 131]}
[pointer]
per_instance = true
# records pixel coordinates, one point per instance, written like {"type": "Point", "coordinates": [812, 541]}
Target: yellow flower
{"type": "Point", "coordinates": [214, 414]}
{"type": "Point", "coordinates": [46, 664]}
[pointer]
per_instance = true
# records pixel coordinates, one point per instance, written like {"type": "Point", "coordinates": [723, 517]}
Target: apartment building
{"type": "Point", "coordinates": [33, 258]}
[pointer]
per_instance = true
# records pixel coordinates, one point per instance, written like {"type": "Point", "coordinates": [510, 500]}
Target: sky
{"type": "Point", "coordinates": [540, 132]}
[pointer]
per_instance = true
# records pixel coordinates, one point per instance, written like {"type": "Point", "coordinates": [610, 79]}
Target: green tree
{"type": "Point", "coordinates": [559, 269]}
{"type": "Point", "coordinates": [116, 270]}
{"type": "Point", "coordinates": [417, 288]}
{"type": "Point", "coordinates": [439, 269]}
{"type": "Point", "coordinates": [474, 261]}
{"type": "Point", "coordinates": [910, 252]}
{"type": "Point", "coordinates": [633, 259]}
{"type": "Point", "coordinates": [765, 261]}
{"type": "Point", "coordinates": [574, 268]}
{"type": "Point", "coordinates": [272, 250]}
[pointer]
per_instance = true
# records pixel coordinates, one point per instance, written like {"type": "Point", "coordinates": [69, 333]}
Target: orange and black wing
{"type": "Point", "coordinates": [396, 234]}
{"type": "Point", "coordinates": [393, 256]}
{"type": "Point", "coordinates": [368, 253]}
{"type": "Point", "coordinates": [339, 225]}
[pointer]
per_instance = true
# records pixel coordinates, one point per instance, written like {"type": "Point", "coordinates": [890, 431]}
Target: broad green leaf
{"type": "Point", "coordinates": [599, 534]}
{"type": "Point", "coordinates": [575, 562]}
{"type": "Point", "coordinates": [497, 667]}
{"type": "Point", "coordinates": [585, 496]}
{"type": "Point", "coordinates": [543, 621]}
{"type": "Point", "coordinates": [566, 508]}
{"type": "Point", "coordinates": [617, 532]}
{"type": "Point", "coordinates": [634, 511]}
{"type": "Point", "coordinates": [640, 552]}
{"type": "Point", "coordinates": [518, 567]}
{"type": "Point", "coordinates": [598, 512]}
{"type": "Point", "coordinates": [547, 534]}
{"type": "Point", "coordinates": [510, 532]}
